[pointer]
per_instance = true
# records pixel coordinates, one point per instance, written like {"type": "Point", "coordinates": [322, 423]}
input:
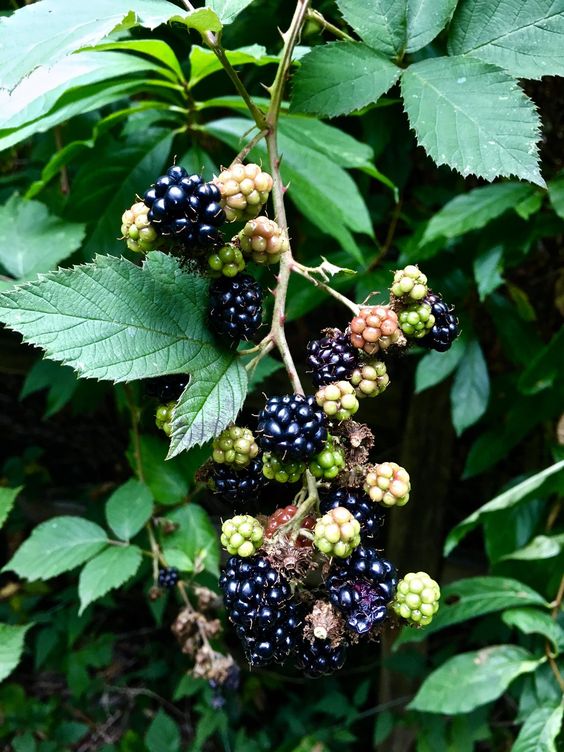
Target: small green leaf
{"type": "Point", "coordinates": [533, 621]}
{"type": "Point", "coordinates": [541, 547]}
{"type": "Point", "coordinates": [337, 78]}
{"type": "Point", "coordinates": [435, 367]}
{"type": "Point", "coordinates": [7, 500]}
{"type": "Point", "coordinates": [195, 537]}
{"type": "Point", "coordinates": [228, 10]}
{"type": "Point", "coordinates": [507, 499]}
{"type": "Point", "coordinates": [556, 194]}
{"type": "Point", "coordinates": [60, 381]}
{"type": "Point", "coordinates": [527, 38]}
{"type": "Point", "coordinates": [470, 680]}
{"type": "Point", "coordinates": [472, 117]}
{"type": "Point", "coordinates": [56, 546]}
{"type": "Point", "coordinates": [129, 508]}
{"type": "Point", "coordinates": [11, 647]}
{"type": "Point", "coordinates": [33, 240]}
{"type": "Point", "coordinates": [470, 390]}
{"type": "Point", "coordinates": [204, 62]}
{"type": "Point", "coordinates": [174, 557]}
{"type": "Point", "coordinates": [540, 730]}
{"type": "Point", "coordinates": [163, 734]}
{"type": "Point", "coordinates": [487, 268]}
{"type": "Point", "coordinates": [211, 401]}
{"type": "Point", "coordinates": [106, 571]}
{"type": "Point", "coordinates": [200, 19]}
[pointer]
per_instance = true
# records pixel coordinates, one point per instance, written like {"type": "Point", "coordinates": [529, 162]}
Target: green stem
{"type": "Point", "coordinates": [319, 19]}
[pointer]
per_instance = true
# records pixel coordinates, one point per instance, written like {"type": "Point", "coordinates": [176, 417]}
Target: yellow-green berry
{"type": "Point", "coordinates": [228, 261]}
{"type": "Point", "coordinates": [242, 535]}
{"type": "Point", "coordinates": [163, 417]}
{"type": "Point", "coordinates": [416, 320]}
{"type": "Point", "coordinates": [338, 400]}
{"type": "Point", "coordinates": [329, 462]}
{"type": "Point", "coordinates": [388, 484]}
{"type": "Point", "coordinates": [244, 190]}
{"type": "Point", "coordinates": [235, 446]}
{"type": "Point", "coordinates": [417, 598]}
{"type": "Point", "coordinates": [263, 240]}
{"type": "Point", "coordinates": [138, 233]}
{"type": "Point", "coordinates": [370, 379]}
{"type": "Point", "coordinates": [276, 469]}
{"type": "Point", "coordinates": [337, 533]}
{"type": "Point", "coordinates": [409, 283]}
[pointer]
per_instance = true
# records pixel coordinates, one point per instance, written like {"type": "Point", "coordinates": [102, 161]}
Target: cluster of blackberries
{"type": "Point", "coordinates": [168, 578]}
{"type": "Point", "coordinates": [185, 209]}
{"type": "Point", "coordinates": [445, 329]}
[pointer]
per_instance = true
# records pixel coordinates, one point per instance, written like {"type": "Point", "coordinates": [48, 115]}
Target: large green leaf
{"type": "Point", "coordinates": [435, 367]}
{"type": "Point", "coordinates": [426, 19]}
{"type": "Point", "coordinates": [43, 33]}
{"type": "Point", "coordinates": [106, 571]}
{"type": "Point", "coordinates": [473, 117]}
{"type": "Point", "coordinates": [7, 500]}
{"type": "Point", "coordinates": [33, 240]}
{"type": "Point", "coordinates": [470, 390]}
{"type": "Point", "coordinates": [11, 647]}
{"type": "Point", "coordinates": [473, 597]}
{"type": "Point", "coordinates": [488, 266]}
{"type": "Point", "coordinates": [204, 62]}
{"type": "Point", "coordinates": [117, 321]}
{"type": "Point", "coordinates": [195, 536]}
{"type": "Point", "coordinates": [525, 38]}
{"type": "Point", "coordinates": [541, 547]}
{"type": "Point", "coordinates": [56, 546]}
{"type": "Point", "coordinates": [533, 621]}
{"type": "Point", "coordinates": [211, 401]}
{"type": "Point", "coordinates": [380, 23]}
{"type": "Point", "coordinates": [472, 679]}
{"type": "Point", "coordinates": [508, 498]}
{"type": "Point", "coordinates": [540, 730]}
{"type": "Point", "coordinates": [337, 78]}
{"type": "Point", "coordinates": [129, 508]}
{"type": "Point", "coordinates": [163, 734]}
{"type": "Point", "coordinates": [156, 49]}
{"type": "Point", "coordinates": [473, 210]}
{"type": "Point", "coordinates": [227, 10]}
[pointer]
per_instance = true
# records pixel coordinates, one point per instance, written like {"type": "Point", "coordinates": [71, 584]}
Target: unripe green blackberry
{"type": "Point", "coordinates": [228, 261]}
{"type": "Point", "coordinates": [370, 379]}
{"type": "Point", "coordinates": [276, 469]}
{"type": "Point", "coordinates": [163, 417]}
{"type": "Point", "coordinates": [329, 462]}
{"type": "Point", "coordinates": [137, 231]}
{"type": "Point", "coordinates": [242, 535]}
{"type": "Point", "coordinates": [235, 446]}
{"type": "Point", "coordinates": [417, 598]}
{"type": "Point", "coordinates": [244, 191]}
{"type": "Point", "coordinates": [263, 240]}
{"type": "Point", "coordinates": [409, 283]}
{"type": "Point", "coordinates": [337, 533]}
{"type": "Point", "coordinates": [416, 320]}
{"type": "Point", "coordinates": [338, 400]}
{"type": "Point", "coordinates": [388, 484]}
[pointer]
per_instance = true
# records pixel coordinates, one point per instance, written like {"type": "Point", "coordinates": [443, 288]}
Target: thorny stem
{"type": "Point", "coordinates": [319, 19]}
{"type": "Point", "coordinates": [249, 146]}
{"type": "Point", "coordinates": [556, 606]}
{"type": "Point", "coordinates": [303, 272]}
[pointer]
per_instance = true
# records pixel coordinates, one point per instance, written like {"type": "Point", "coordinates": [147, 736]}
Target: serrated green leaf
{"type": "Point", "coordinates": [337, 78]}
{"type": "Point", "coordinates": [7, 500]}
{"type": "Point", "coordinates": [435, 367]}
{"type": "Point", "coordinates": [541, 547]}
{"type": "Point", "coordinates": [525, 38]}
{"type": "Point", "coordinates": [204, 62]}
{"type": "Point", "coordinates": [56, 546]}
{"type": "Point", "coordinates": [533, 621]}
{"type": "Point", "coordinates": [556, 194]}
{"type": "Point", "coordinates": [60, 381]}
{"type": "Point", "coordinates": [473, 117]}
{"type": "Point", "coordinates": [486, 675]}
{"type": "Point", "coordinates": [117, 321]}
{"type": "Point", "coordinates": [540, 730]}
{"type": "Point", "coordinates": [11, 647]}
{"type": "Point", "coordinates": [44, 33]}
{"type": "Point", "coordinates": [474, 210]}
{"type": "Point", "coordinates": [195, 537]}
{"type": "Point", "coordinates": [470, 390]}
{"type": "Point", "coordinates": [174, 557]}
{"type": "Point", "coordinates": [163, 734]}
{"type": "Point", "coordinates": [129, 508]}
{"type": "Point", "coordinates": [200, 19]}
{"type": "Point", "coordinates": [106, 571]}
{"type": "Point", "coordinates": [425, 20]}
{"type": "Point", "coordinates": [228, 10]}
{"type": "Point", "coordinates": [33, 240]}
{"type": "Point", "coordinates": [209, 403]}
{"type": "Point", "coordinates": [507, 499]}
{"type": "Point", "coordinates": [487, 268]}
{"type": "Point", "coordinates": [470, 598]}
{"type": "Point", "coordinates": [380, 23]}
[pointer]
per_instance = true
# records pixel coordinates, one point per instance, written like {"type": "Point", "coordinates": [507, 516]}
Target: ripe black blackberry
{"type": "Point", "coordinates": [186, 209]}
{"type": "Point", "coordinates": [445, 329]}
{"type": "Point", "coordinates": [235, 307]}
{"type": "Point", "coordinates": [292, 427]}
{"type": "Point", "coordinates": [240, 488]}
{"type": "Point", "coordinates": [259, 602]}
{"type": "Point", "coordinates": [361, 587]}
{"type": "Point", "coordinates": [168, 577]}
{"type": "Point", "coordinates": [319, 658]}
{"type": "Point", "coordinates": [332, 358]}
{"type": "Point", "coordinates": [167, 388]}
{"type": "Point", "coordinates": [370, 516]}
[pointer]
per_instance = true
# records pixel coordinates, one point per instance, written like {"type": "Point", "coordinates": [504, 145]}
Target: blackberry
{"type": "Point", "coordinates": [445, 329]}
{"type": "Point", "coordinates": [361, 587]}
{"type": "Point", "coordinates": [370, 379]}
{"type": "Point", "coordinates": [417, 598]}
{"type": "Point", "coordinates": [138, 233]}
{"type": "Point", "coordinates": [332, 358]}
{"type": "Point", "coordinates": [416, 320]}
{"type": "Point", "coordinates": [260, 605]}
{"type": "Point", "coordinates": [168, 577]}
{"type": "Point", "coordinates": [235, 307]}
{"type": "Point", "coordinates": [369, 515]}
{"type": "Point", "coordinates": [409, 283]}
{"type": "Point", "coordinates": [235, 446]}
{"type": "Point", "coordinates": [242, 535]}
{"type": "Point", "coordinates": [292, 427]}
{"type": "Point", "coordinates": [244, 190]}
{"type": "Point", "coordinates": [388, 484]}
{"type": "Point", "coordinates": [375, 328]}
{"type": "Point", "coordinates": [284, 515]}
{"type": "Point", "coordinates": [274, 468]}
{"type": "Point", "coordinates": [319, 658]}
{"type": "Point", "coordinates": [263, 240]}
{"type": "Point", "coordinates": [163, 417]}
{"type": "Point", "coordinates": [228, 261]}
{"type": "Point", "coordinates": [186, 209]}
{"type": "Point", "coordinates": [329, 462]}
{"type": "Point", "coordinates": [167, 388]}
{"type": "Point", "coordinates": [338, 400]}
{"type": "Point", "coordinates": [239, 488]}
{"type": "Point", "coordinates": [337, 533]}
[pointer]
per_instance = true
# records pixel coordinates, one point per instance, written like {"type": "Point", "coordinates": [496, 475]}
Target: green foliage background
{"type": "Point", "coordinates": [97, 99]}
